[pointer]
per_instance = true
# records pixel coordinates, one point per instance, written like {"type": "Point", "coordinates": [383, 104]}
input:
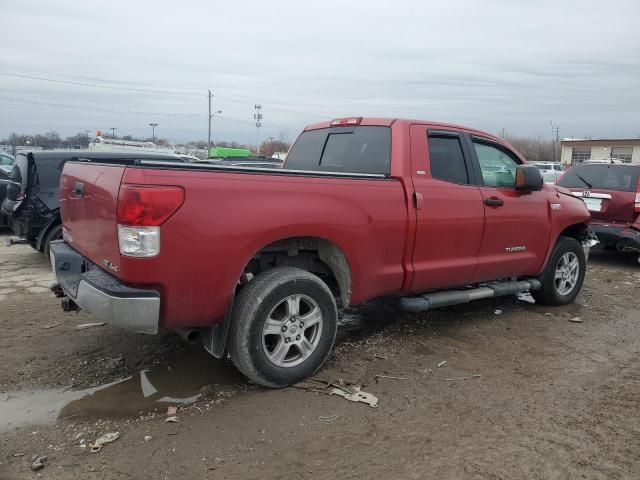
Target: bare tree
{"type": "Point", "coordinates": [533, 149]}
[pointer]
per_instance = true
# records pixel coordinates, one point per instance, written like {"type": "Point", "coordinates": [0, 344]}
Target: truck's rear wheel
{"type": "Point", "coordinates": [564, 274]}
{"type": "Point", "coordinates": [284, 325]}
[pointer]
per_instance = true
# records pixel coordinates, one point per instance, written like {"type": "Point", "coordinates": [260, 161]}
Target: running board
{"type": "Point", "coordinates": [447, 298]}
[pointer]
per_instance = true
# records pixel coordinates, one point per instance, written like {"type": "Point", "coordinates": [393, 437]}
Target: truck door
{"type": "Point", "coordinates": [517, 224]}
{"type": "Point", "coordinates": [449, 209]}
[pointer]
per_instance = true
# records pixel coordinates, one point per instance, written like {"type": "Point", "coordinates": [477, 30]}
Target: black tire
{"type": "Point", "coordinates": [258, 301]}
{"type": "Point", "coordinates": [54, 234]}
{"type": "Point", "coordinates": [549, 294]}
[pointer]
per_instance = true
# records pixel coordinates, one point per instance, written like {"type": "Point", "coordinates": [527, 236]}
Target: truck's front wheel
{"type": "Point", "coordinates": [284, 326]}
{"type": "Point", "coordinates": [564, 274]}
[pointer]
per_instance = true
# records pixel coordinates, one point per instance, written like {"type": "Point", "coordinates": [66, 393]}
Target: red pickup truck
{"type": "Point", "coordinates": [254, 262]}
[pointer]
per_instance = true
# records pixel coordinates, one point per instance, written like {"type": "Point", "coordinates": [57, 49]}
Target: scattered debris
{"type": "Point", "coordinates": [171, 411]}
{"type": "Point", "coordinates": [442, 364]}
{"type": "Point", "coordinates": [103, 440]}
{"type": "Point", "coordinates": [46, 327]}
{"type": "Point", "coordinates": [148, 438]}
{"type": "Point", "coordinates": [475, 375]}
{"type": "Point", "coordinates": [353, 393]}
{"type": "Point", "coordinates": [525, 297]}
{"type": "Point", "coordinates": [381, 357]}
{"type": "Point", "coordinates": [329, 418]}
{"type": "Point", "coordinates": [576, 320]}
{"type": "Point", "coordinates": [145, 385]}
{"type": "Point", "coordinates": [392, 377]}
{"type": "Point", "coordinates": [38, 462]}
{"type": "Point", "coordinates": [18, 454]}
{"type": "Point", "coordinates": [171, 420]}
{"type": "Point", "coordinates": [498, 312]}
{"type": "Point", "coordinates": [548, 314]}
{"type": "Point", "coordinates": [84, 326]}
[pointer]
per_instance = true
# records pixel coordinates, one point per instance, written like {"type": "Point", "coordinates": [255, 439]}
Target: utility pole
{"type": "Point", "coordinates": [209, 120]}
{"type": "Point", "coordinates": [113, 130]}
{"type": "Point", "coordinates": [86, 135]}
{"type": "Point", "coordinates": [258, 118]}
{"type": "Point", "coordinates": [554, 134]}
{"type": "Point", "coordinates": [153, 131]}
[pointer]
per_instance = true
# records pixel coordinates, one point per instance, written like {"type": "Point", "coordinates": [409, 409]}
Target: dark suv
{"type": "Point", "coordinates": [6, 165]}
{"type": "Point", "coordinates": [31, 204]}
{"type": "Point", "coordinates": [612, 195]}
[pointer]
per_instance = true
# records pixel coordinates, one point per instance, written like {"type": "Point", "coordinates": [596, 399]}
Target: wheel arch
{"type": "Point", "coordinates": [44, 231]}
{"type": "Point", "coordinates": [301, 251]}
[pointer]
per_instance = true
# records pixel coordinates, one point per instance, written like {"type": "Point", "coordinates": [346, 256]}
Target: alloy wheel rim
{"type": "Point", "coordinates": [292, 330]}
{"type": "Point", "coordinates": [567, 273]}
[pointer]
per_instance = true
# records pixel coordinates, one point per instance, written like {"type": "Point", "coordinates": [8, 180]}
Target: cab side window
{"type": "Point", "coordinates": [498, 167]}
{"type": "Point", "coordinates": [446, 159]}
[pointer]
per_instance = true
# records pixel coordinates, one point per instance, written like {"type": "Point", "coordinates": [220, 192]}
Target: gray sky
{"type": "Point", "coordinates": [487, 64]}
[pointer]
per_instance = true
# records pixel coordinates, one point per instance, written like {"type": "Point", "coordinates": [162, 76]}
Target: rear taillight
{"type": "Point", "coordinates": [148, 206]}
{"type": "Point", "coordinates": [637, 204]}
{"type": "Point", "coordinates": [141, 210]}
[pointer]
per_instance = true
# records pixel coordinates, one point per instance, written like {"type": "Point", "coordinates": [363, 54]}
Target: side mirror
{"type": "Point", "coordinates": [528, 178]}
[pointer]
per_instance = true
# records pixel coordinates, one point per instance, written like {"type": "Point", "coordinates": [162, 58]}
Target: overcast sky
{"type": "Point", "coordinates": [488, 64]}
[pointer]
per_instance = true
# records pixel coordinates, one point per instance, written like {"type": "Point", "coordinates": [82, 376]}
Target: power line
{"type": "Point", "coordinates": [97, 109]}
{"type": "Point", "coordinates": [102, 80]}
{"type": "Point", "coordinates": [129, 112]}
{"type": "Point", "coordinates": [135, 88]}
{"type": "Point", "coordinates": [111, 87]}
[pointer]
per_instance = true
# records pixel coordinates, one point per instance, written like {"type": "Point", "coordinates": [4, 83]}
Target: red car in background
{"type": "Point", "coordinates": [611, 192]}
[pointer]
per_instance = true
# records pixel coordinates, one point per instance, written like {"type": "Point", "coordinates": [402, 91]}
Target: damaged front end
{"type": "Point", "coordinates": [589, 240]}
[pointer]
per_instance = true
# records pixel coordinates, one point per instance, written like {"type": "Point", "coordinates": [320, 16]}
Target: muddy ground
{"type": "Point", "coordinates": [525, 393]}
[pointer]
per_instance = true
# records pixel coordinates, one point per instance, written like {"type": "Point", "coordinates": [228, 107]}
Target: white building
{"type": "Point", "coordinates": [577, 151]}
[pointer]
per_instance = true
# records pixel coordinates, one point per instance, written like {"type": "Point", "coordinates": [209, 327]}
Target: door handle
{"type": "Point", "coordinates": [417, 200]}
{"type": "Point", "coordinates": [493, 202]}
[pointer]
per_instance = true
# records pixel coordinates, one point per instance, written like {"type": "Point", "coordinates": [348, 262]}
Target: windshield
{"type": "Point", "coordinates": [606, 177]}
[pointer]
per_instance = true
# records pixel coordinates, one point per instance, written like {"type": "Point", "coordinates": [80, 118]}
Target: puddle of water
{"type": "Point", "coordinates": [182, 382]}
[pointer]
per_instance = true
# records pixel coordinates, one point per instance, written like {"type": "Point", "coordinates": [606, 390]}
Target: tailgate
{"type": "Point", "coordinates": [608, 205]}
{"type": "Point", "coordinates": [88, 202]}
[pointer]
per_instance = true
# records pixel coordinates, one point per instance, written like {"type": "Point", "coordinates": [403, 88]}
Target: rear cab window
{"type": "Point", "coordinates": [356, 150]}
{"type": "Point", "coordinates": [605, 177]}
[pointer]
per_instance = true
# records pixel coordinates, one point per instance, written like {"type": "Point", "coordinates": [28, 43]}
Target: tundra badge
{"type": "Point", "coordinates": [518, 248]}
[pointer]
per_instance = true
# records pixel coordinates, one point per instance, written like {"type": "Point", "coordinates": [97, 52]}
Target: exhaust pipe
{"type": "Point", "coordinates": [190, 335]}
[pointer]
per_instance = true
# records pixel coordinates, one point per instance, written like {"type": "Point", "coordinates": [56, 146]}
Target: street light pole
{"type": "Point", "coordinates": [153, 131]}
{"type": "Point", "coordinates": [113, 130]}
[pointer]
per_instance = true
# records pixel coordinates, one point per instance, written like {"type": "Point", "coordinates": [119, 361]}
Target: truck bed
{"type": "Point", "coordinates": [229, 214]}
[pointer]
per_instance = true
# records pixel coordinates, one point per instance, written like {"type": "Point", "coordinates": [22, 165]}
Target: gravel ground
{"type": "Point", "coordinates": [524, 393]}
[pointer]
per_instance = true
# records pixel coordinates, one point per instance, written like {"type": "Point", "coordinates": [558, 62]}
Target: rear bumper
{"type": "Point", "coordinates": [620, 236]}
{"type": "Point", "coordinates": [103, 295]}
